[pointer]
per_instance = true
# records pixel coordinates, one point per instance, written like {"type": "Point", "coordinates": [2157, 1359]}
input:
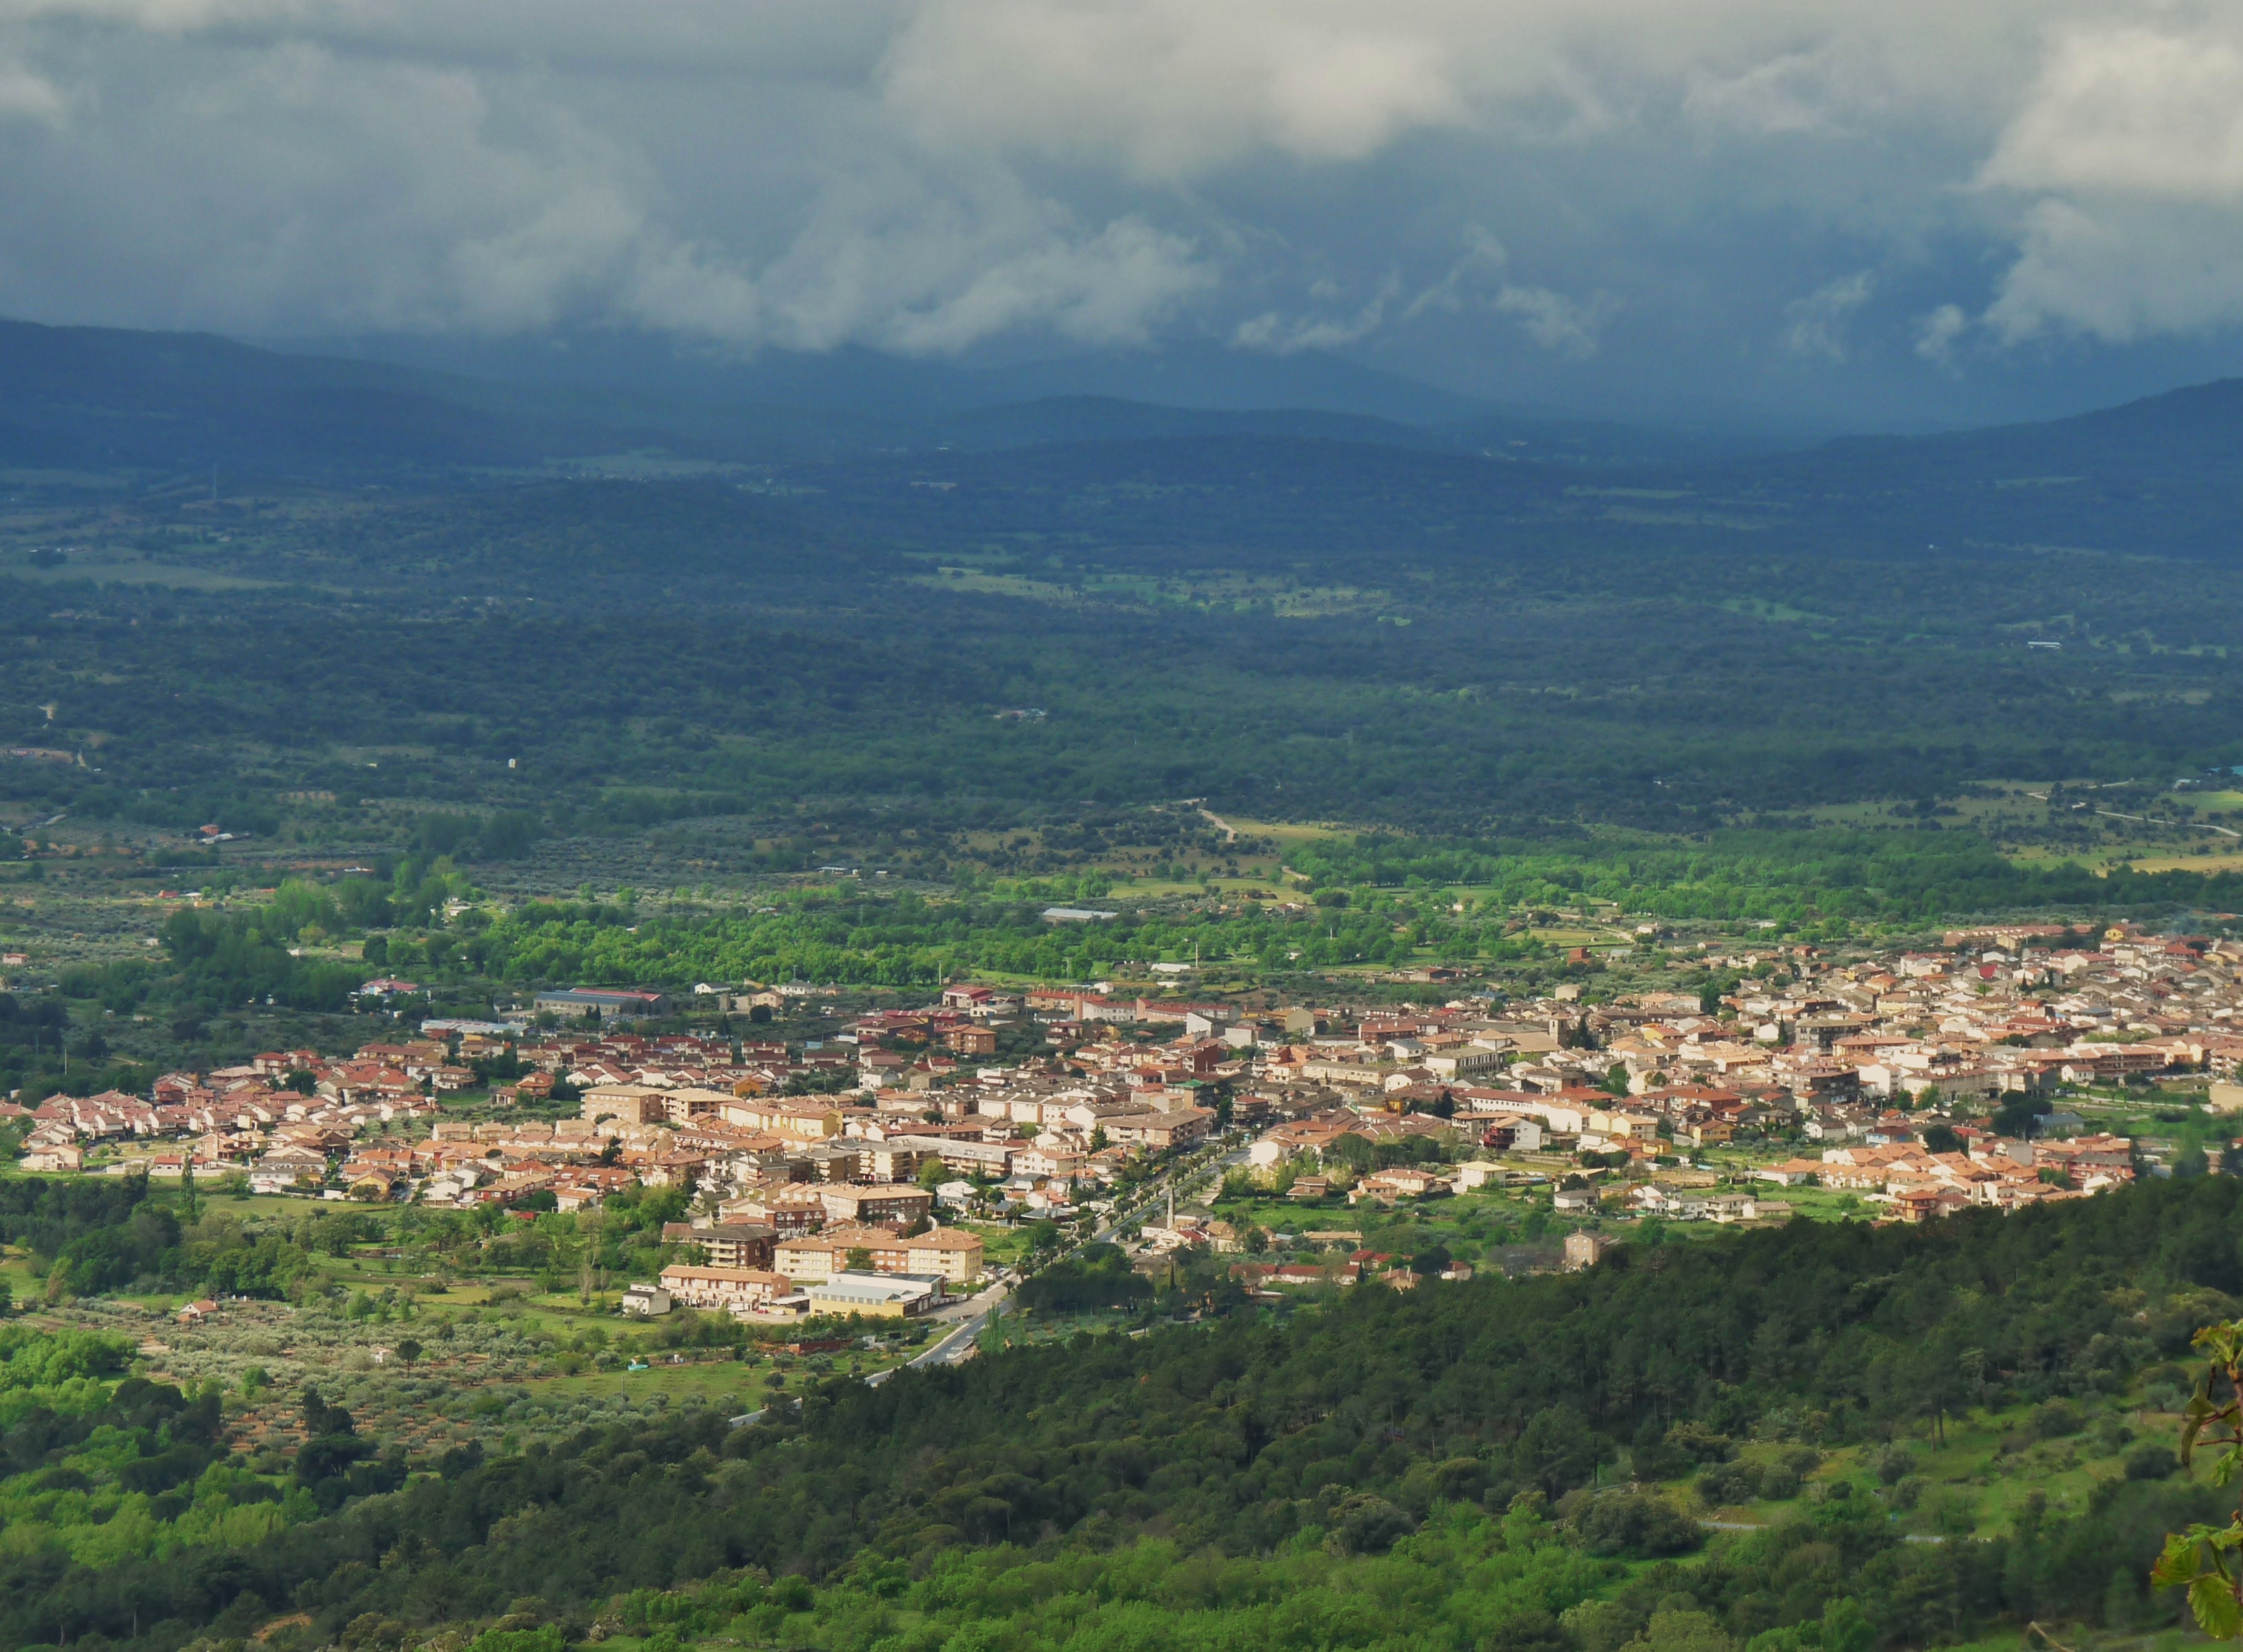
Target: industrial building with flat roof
{"type": "Point", "coordinates": [577, 1001]}
{"type": "Point", "coordinates": [880, 1296]}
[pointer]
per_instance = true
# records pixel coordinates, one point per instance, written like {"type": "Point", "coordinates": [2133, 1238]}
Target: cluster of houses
{"type": "Point", "coordinates": [1995, 1015]}
{"type": "Point", "coordinates": [1857, 1058]}
{"type": "Point", "coordinates": [283, 1118]}
{"type": "Point", "coordinates": [1031, 1140]}
{"type": "Point", "coordinates": [1989, 1170]}
{"type": "Point", "coordinates": [903, 1114]}
{"type": "Point", "coordinates": [1998, 1012]}
{"type": "Point", "coordinates": [586, 1061]}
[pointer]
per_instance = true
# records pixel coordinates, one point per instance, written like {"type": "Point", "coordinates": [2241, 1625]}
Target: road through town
{"type": "Point", "coordinates": [969, 1318]}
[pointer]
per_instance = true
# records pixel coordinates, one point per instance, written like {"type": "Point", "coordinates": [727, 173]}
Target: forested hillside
{"type": "Point", "coordinates": [1438, 1467]}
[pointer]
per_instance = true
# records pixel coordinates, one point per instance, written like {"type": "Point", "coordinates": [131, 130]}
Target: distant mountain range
{"type": "Point", "coordinates": [2162, 473]}
{"type": "Point", "coordinates": [865, 383]}
{"type": "Point", "coordinates": [81, 396]}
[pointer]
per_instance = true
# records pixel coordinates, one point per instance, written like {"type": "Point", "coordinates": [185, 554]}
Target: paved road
{"type": "Point", "coordinates": [1155, 1192]}
{"type": "Point", "coordinates": [959, 1344]}
{"type": "Point", "coordinates": [953, 1347]}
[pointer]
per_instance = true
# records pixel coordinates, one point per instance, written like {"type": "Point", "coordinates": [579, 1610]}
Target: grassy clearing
{"type": "Point", "coordinates": [1287, 834]}
{"type": "Point", "coordinates": [124, 571]}
{"type": "Point", "coordinates": [732, 1385]}
{"type": "Point", "coordinates": [2204, 860]}
{"type": "Point", "coordinates": [981, 584]}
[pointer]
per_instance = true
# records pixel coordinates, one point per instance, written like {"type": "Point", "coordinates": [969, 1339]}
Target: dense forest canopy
{"type": "Point", "coordinates": [579, 654]}
{"type": "Point", "coordinates": [1451, 1430]}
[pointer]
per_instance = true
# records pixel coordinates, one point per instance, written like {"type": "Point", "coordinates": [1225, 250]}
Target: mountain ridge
{"type": "Point", "coordinates": [2157, 474]}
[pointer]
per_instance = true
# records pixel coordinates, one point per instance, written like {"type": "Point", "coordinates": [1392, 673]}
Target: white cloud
{"type": "Point", "coordinates": [27, 95]}
{"type": "Point", "coordinates": [1938, 333]}
{"type": "Point", "coordinates": [2129, 149]}
{"type": "Point", "coordinates": [164, 17]}
{"type": "Point", "coordinates": [1792, 92]}
{"type": "Point", "coordinates": [1558, 322]}
{"type": "Point", "coordinates": [1171, 88]}
{"type": "Point", "coordinates": [2130, 113]}
{"type": "Point", "coordinates": [1275, 333]}
{"type": "Point", "coordinates": [291, 184]}
{"type": "Point", "coordinates": [1478, 280]}
{"type": "Point", "coordinates": [911, 266]}
{"type": "Point", "coordinates": [1108, 288]}
{"type": "Point", "coordinates": [1815, 326]}
{"type": "Point", "coordinates": [295, 185]}
{"type": "Point", "coordinates": [2122, 272]}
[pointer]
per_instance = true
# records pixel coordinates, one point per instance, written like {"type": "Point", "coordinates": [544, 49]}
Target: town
{"type": "Point", "coordinates": [862, 1171]}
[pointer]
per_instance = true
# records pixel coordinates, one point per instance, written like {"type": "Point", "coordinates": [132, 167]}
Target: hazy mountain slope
{"type": "Point", "coordinates": [102, 396]}
{"type": "Point", "coordinates": [2158, 476]}
{"type": "Point", "coordinates": [1106, 419]}
{"type": "Point", "coordinates": [2163, 475]}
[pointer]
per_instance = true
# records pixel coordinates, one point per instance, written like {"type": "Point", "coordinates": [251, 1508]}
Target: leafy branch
{"type": "Point", "coordinates": [2207, 1560]}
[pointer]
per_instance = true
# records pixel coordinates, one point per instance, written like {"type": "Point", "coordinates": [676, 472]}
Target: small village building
{"type": "Point", "coordinates": [645, 1301]}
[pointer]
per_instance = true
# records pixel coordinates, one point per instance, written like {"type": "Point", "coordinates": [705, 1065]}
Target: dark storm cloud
{"type": "Point", "coordinates": [1561, 196]}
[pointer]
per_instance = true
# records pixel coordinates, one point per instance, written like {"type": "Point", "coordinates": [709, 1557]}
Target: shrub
{"type": "Point", "coordinates": [1682, 1631]}
{"type": "Point", "coordinates": [1364, 1523]}
{"type": "Point", "coordinates": [1728, 1483]}
{"type": "Point", "coordinates": [1692, 1443]}
{"type": "Point", "coordinates": [1532, 1630]}
{"type": "Point", "coordinates": [1778, 1482]}
{"type": "Point", "coordinates": [1893, 1463]}
{"type": "Point", "coordinates": [1628, 1524]}
{"type": "Point", "coordinates": [2151, 1460]}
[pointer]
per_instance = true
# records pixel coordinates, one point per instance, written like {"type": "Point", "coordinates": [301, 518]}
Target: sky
{"type": "Point", "coordinates": [1891, 213]}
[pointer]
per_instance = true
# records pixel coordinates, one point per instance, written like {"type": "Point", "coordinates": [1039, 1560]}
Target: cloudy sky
{"type": "Point", "coordinates": [1893, 211]}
